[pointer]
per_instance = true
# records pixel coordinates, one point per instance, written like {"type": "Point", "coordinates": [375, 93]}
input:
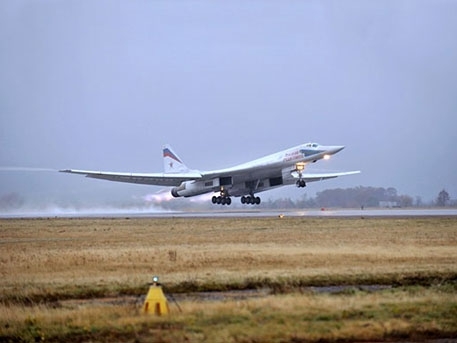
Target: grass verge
{"type": "Point", "coordinates": [44, 263]}
{"type": "Point", "coordinates": [411, 312]}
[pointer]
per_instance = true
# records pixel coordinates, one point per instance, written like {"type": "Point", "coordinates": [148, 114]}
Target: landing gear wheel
{"type": "Point", "coordinates": [301, 183]}
{"type": "Point", "coordinates": [221, 200]}
{"type": "Point", "coordinates": [252, 200]}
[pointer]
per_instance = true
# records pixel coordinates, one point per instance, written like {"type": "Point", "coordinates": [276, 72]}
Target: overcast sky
{"type": "Point", "coordinates": [102, 85]}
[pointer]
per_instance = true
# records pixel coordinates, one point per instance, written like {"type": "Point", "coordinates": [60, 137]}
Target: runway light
{"type": "Point", "coordinates": [155, 279]}
{"type": "Point", "coordinates": [326, 157]}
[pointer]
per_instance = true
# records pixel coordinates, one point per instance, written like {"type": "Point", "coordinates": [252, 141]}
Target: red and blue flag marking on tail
{"type": "Point", "coordinates": [168, 153]}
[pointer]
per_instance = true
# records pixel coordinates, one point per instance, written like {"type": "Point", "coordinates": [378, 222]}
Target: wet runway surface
{"type": "Point", "coordinates": [234, 213]}
{"type": "Point", "coordinates": [317, 213]}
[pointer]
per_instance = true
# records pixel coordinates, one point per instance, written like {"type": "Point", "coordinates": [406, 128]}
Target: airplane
{"type": "Point", "coordinates": [245, 180]}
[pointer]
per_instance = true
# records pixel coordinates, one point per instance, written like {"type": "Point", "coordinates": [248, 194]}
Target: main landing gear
{"type": "Point", "coordinates": [221, 200]}
{"type": "Point", "coordinates": [250, 199]}
{"type": "Point", "coordinates": [226, 200]}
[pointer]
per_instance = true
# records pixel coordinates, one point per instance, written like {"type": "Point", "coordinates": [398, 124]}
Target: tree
{"type": "Point", "coordinates": [405, 201]}
{"type": "Point", "coordinates": [391, 194]}
{"type": "Point", "coordinates": [443, 198]}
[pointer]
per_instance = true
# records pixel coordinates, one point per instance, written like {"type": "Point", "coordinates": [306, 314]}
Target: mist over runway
{"type": "Point", "coordinates": [158, 213]}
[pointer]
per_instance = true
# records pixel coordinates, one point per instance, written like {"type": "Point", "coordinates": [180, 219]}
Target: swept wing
{"type": "Point", "coordinates": [158, 179]}
{"type": "Point", "coordinates": [310, 177]}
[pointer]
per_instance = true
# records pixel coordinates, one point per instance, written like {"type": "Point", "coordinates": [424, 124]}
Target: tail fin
{"type": "Point", "coordinates": [171, 161]}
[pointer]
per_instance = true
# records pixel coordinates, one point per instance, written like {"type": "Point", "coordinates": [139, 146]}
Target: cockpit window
{"type": "Point", "coordinates": [311, 145]}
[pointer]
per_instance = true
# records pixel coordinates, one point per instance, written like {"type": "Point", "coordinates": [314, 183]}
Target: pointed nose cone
{"type": "Point", "coordinates": [335, 149]}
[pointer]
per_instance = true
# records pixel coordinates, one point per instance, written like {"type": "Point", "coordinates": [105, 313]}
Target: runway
{"type": "Point", "coordinates": [135, 213]}
{"type": "Point", "coordinates": [318, 213]}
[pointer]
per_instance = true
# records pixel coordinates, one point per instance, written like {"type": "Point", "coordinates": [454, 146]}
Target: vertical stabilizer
{"type": "Point", "coordinates": [171, 161]}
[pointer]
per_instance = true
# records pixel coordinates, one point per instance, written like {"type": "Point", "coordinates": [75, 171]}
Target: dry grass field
{"type": "Point", "coordinates": [46, 262]}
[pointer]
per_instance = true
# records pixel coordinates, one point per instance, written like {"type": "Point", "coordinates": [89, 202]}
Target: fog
{"type": "Point", "coordinates": [102, 85]}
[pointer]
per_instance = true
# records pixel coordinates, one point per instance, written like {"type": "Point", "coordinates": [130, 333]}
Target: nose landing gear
{"type": "Point", "coordinates": [301, 183]}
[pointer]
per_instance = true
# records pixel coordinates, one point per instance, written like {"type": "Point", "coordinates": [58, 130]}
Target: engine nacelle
{"type": "Point", "coordinates": [176, 190]}
{"type": "Point", "coordinates": [191, 188]}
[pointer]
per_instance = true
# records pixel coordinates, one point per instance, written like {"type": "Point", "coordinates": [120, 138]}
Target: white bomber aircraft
{"type": "Point", "coordinates": [244, 180]}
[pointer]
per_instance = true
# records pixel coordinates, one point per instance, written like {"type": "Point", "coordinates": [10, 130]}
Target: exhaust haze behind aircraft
{"type": "Point", "coordinates": [245, 180]}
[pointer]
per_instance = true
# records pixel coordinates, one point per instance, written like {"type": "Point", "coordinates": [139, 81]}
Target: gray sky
{"type": "Point", "coordinates": [103, 84]}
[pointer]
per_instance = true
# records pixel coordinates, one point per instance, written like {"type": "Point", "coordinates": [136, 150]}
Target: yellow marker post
{"type": "Point", "coordinates": [156, 302]}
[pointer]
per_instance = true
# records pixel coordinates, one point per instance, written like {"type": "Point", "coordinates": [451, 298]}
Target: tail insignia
{"type": "Point", "coordinates": [168, 153]}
